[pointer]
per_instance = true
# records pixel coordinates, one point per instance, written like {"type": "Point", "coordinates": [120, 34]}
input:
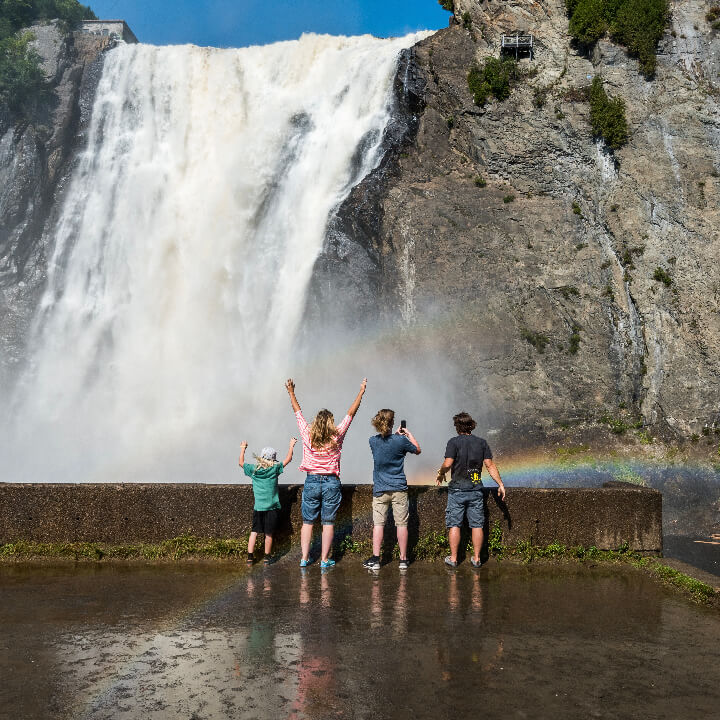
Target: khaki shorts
{"type": "Point", "coordinates": [400, 506]}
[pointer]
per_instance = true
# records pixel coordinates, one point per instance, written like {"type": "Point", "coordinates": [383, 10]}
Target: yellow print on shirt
{"type": "Point", "coordinates": [475, 477]}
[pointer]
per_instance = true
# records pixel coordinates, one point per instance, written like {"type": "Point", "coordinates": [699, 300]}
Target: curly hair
{"type": "Point", "coordinates": [323, 432]}
{"type": "Point", "coordinates": [464, 424]}
{"type": "Point", "coordinates": [383, 421]}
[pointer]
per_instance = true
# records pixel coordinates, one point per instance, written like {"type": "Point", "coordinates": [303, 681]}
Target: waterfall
{"type": "Point", "coordinates": [184, 250]}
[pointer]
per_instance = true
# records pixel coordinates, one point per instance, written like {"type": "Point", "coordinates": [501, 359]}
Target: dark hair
{"type": "Point", "coordinates": [464, 423]}
{"type": "Point", "coordinates": [383, 421]}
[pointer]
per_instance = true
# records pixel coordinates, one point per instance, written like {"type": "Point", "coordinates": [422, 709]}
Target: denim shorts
{"type": "Point", "coordinates": [321, 496]}
{"type": "Point", "coordinates": [461, 502]}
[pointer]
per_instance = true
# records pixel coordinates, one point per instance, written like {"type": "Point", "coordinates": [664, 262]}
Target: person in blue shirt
{"type": "Point", "coordinates": [389, 483]}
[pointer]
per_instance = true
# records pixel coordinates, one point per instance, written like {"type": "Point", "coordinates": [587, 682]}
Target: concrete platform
{"type": "Point", "coordinates": [604, 517]}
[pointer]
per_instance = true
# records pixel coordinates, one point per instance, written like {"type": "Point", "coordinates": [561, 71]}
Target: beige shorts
{"type": "Point", "coordinates": [400, 506]}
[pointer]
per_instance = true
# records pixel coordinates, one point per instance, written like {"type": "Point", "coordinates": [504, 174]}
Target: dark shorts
{"type": "Point", "coordinates": [321, 497]}
{"type": "Point", "coordinates": [465, 502]}
{"type": "Point", "coordinates": [265, 521]}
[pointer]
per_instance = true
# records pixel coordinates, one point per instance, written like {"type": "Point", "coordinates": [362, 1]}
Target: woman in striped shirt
{"type": "Point", "coordinates": [322, 445]}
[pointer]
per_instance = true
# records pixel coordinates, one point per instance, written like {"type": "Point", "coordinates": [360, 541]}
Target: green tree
{"type": "Point", "coordinates": [22, 82]}
{"type": "Point", "coordinates": [636, 24]}
{"type": "Point", "coordinates": [17, 13]}
{"type": "Point", "coordinates": [587, 22]}
{"type": "Point", "coordinates": [71, 11]}
{"type": "Point", "coordinates": [607, 116]}
{"type": "Point", "coordinates": [639, 25]}
{"type": "Point", "coordinates": [493, 78]}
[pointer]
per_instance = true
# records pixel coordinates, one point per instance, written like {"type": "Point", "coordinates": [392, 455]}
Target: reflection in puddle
{"type": "Point", "coordinates": [281, 643]}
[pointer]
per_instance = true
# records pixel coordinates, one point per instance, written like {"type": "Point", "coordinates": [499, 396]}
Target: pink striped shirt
{"type": "Point", "coordinates": [325, 461]}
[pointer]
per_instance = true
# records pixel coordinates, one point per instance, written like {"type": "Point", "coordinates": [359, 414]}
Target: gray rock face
{"type": "Point", "coordinates": [524, 252]}
{"type": "Point", "coordinates": [35, 156]}
{"type": "Point", "coordinates": [354, 258]}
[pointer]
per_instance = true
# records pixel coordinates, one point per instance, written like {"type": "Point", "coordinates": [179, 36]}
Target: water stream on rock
{"type": "Point", "coordinates": [184, 251]}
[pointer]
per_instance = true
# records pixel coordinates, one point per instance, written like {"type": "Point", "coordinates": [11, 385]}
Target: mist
{"type": "Point", "coordinates": [181, 263]}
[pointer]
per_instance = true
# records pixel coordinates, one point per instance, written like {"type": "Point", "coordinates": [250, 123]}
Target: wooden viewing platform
{"type": "Point", "coordinates": [517, 42]}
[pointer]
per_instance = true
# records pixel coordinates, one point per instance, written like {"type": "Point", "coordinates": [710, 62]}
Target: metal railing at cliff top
{"type": "Point", "coordinates": [517, 43]}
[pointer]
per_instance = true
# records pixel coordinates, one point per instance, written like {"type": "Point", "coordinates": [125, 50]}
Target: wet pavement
{"type": "Point", "coordinates": [219, 641]}
{"type": "Point", "coordinates": [702, 552]}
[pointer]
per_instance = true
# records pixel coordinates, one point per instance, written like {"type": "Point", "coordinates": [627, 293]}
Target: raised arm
{"type": "Point", "coordinates": [356, 403]}
{"type": "Point", "coordinates": [288, 457]}
{"type": "Point", "coordinates": [495, 475]}
{"type": "Point", "coordinates": [290, 385]}
{"type": "Point", "coordinates": [243, 447]}
{"type": "Point", "coordinates": [409, 436]}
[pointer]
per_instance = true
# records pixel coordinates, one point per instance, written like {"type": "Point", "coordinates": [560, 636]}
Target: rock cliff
{"type": "Point", "coordinates": [35, 157]}
{"type": "Point", "coordinates": [572, 289]}
{"type": "Point", "coordinates": [571, 292]}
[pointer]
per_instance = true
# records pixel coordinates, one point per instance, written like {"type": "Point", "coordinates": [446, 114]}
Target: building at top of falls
{"type": "Point", "coordinates": [118, 29]}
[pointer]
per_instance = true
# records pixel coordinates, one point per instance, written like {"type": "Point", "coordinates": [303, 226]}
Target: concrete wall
{"type": "Point", "coordinates": [109, 28]}
{"type": "Point", "coordinates": [604, 517]}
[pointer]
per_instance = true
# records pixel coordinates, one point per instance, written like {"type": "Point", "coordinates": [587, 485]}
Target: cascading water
{"type": "Point", "coordinates": [184, 250]}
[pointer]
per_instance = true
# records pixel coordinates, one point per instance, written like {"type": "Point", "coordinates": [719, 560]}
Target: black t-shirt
{"type": "Point", "coordinates": [468, 453]}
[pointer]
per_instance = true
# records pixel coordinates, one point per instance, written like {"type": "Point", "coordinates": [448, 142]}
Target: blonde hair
{"type": "Point", "coordinates": [323, 432]}
{"type": "Point", "coordinates": [383, 421]}
{"type": "Point", "coordinates": [261, 463]}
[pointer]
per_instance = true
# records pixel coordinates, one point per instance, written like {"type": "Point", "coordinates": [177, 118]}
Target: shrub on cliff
{"type": "Point", "coordinates": [587, 21]}
{"type": "Point", "coordinates": [639, 25]}
{"type": "Point", "coordinates": [22, 82]}
{"type": "Point", "coordinates": [636, 24]}
{"type": "Point", "coordinates": [493, 78]}
{"type": "Point", "coordinates": [713, 17]}
{"type": "Point", "coordinates": [17, 14]}
{"type": "Point", "coordinates": [607, 116]}
{"type": "Point", "coordinates": [448, 5]}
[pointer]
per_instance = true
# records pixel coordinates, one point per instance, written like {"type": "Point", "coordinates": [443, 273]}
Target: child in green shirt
{"type": "Point", "coordinates": [266, 510]}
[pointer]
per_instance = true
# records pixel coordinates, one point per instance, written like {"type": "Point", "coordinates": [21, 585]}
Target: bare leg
{"type": "Point", "coordinates": [268, 544]}
{"type": "Point", "coordinates": [454, 537]}
{"type": "Point", "coordinates": [402, 533]}
{"type": "Point", "coordinates": [305, 538]}
{"type": "Point", "coordinates": [378, 531]}
{"type": "Point", "coordinates": [328, 532]}
{"type": "Point", "coordinates": [477, 541]}
{"type": "Point", "coordinates": [251, 543]}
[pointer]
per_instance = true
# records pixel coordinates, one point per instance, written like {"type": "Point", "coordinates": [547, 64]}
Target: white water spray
{"type": "Point", "coordinates": [185, 248]}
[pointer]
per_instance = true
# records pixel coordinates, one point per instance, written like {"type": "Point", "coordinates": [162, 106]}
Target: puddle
{"type": "Point", "coordinates": [208, 641]}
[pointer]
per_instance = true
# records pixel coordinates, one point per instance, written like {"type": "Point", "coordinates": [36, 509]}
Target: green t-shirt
{"type": "Point", "coordinates": [265, 485]}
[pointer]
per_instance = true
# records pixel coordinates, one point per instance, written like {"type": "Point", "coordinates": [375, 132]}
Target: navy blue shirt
{"type": "Point", "coordinates": [389, 456]}
{"type": "Point", "coordinates": [468, 453]}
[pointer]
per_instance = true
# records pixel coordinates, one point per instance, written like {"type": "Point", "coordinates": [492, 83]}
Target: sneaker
{"type": "Point", "coordinates": [474, 563]}
{"type": "Point", "coordinates": [325, 564]}
{"type": "Point", "coordinates": [305, 563]}
{"type": "Point", "coordinates": [268, 560]}
{"type": "Point", "coordinates": [450, 562]}
{"type": "Point", "coordinates": [372, 563]}
{"type": "Point", "coordinates": [403, 565]}
{"type": "Point", "coordinates": [250, 559]}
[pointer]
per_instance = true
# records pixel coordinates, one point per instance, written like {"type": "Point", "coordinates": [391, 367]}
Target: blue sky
{"type": "Point", "coordinates": [237, 23]}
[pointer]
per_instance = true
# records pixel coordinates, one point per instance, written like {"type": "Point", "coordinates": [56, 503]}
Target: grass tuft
{"type": "Point", "coordinates": [431, 546]}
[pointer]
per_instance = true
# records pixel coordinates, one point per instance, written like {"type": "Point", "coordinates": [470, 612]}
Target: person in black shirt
{"type": "Point", "coordinates": [465, 455]}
